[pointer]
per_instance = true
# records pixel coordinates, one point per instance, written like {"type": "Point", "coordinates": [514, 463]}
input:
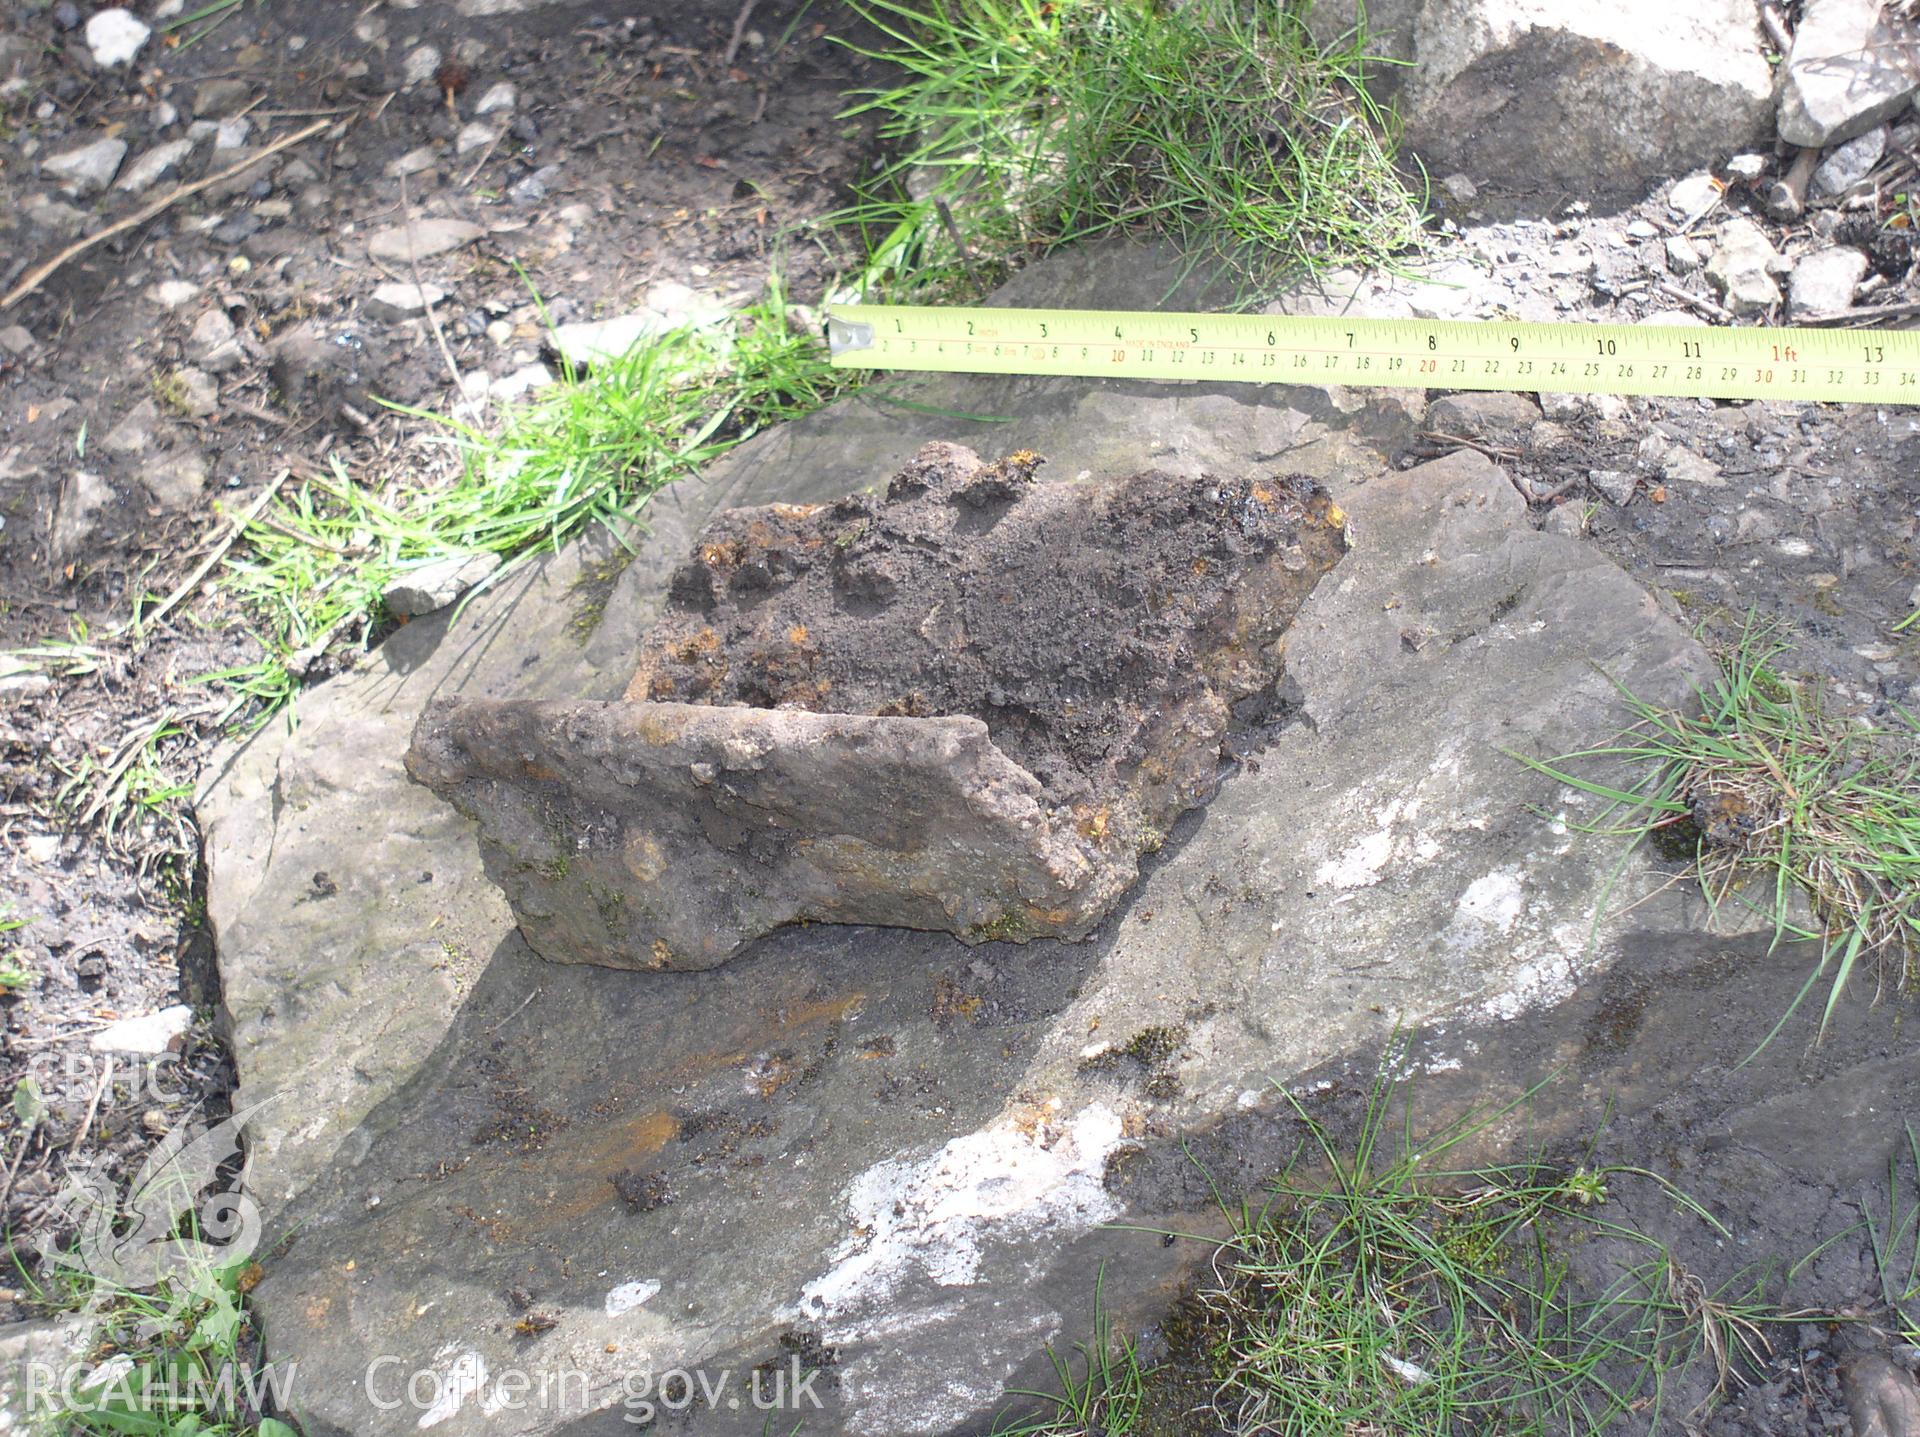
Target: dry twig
{"type": "Point", "coordinates": [40, 273]}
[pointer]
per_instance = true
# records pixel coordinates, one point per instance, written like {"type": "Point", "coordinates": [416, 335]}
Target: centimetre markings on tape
{"type": "Point", "coordinates": [1861, 366]}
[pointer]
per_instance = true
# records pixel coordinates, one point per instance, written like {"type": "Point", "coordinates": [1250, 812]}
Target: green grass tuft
{"type": "Point", "coordinates": [1895, 1240]}
{"type": "Point", "coordinates": [1103, 1386]}
{"type": "Point", "coordinates": [171, 1359]}
{"type": "Point", "coordinates": [1385, 1288]}
{"type": "Point", "coordinates": [1021, 125]}
{"type": "Point", "coordinates": [590, 450]}
{"type": "Point", "coordinates": [1404, 1296]}
{"type": "Point", "coordinates": [16, 967]}
{"type": "Point", "coordinates": [1773, 792]}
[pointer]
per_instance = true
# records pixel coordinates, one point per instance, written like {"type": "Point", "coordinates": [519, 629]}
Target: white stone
{"type": "Point", "coordinates": [422, 240]}
{"type": "Point", "coordinates": [1550, 93]}
{"type": "Point", "coordinates": [134, 434]}
{"type": "Point", "coordinates": [629, 1295]}
{"type": "Point", "coordinates": [499, 96]}
{"type": "Point", "coordinates": [1824, 281]}
{"type": "Point", "coordinates": [682, 305]}
{"type": "Point", "coordinates": [153, 166]}
{"type": "Point", "coordinates": [52, 215]}
{"type": "Point", "coordinates": [177, 478]}
{"type": "Point", "coordinates": [1694, 195]}
{"type": "Point", "coordinates": [172, 293]}
{"type": "Point", "coordinates": [413, 162]}
{"type": "Point", "coordinates": [199, 393]}
{"type": "Point", "coordinates": [396, 301]}
{"type": "Point", "coordinates": [1683, 255]}
{"type": "Point", "coordinates": [1572, 406]}
{"type": "Point", "coordinates": [521, 382]}
{"type": "Point", "coordinates": [1847, 165]}
{"type": "Point", "coordinates": [421, 65]}
{"type": "Point", "coordinates": [214, 344]}
{"type": "Point", "coordinates": [591, 342]}
{"type": "Point", "coordinates": [231, 134]}
{"type": "Point", "coordinates": [1743, 266]}
{"type": "Point", "coordinates": [1844, 74]}
{"type": "Point", "coordinates": [431, 586]}
{"type": "Point", "coordinates": [1683, 466]}
{"type": "Point", "coordinates": [88, 169]}
{"type": "Point", "coordinates": [147, 1033]}
{"type": "Point", "coordinates": [115, 37]}
{"type": "Point", "coordinates": [474, 136]}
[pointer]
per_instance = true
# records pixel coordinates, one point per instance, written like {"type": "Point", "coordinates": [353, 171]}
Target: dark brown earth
{"type": "Point", "coordinates": [969, 705]}
{"type": "Point", "coordinates": [636, 152]}
{"type": "Point", "coordinates": [1093, 629]}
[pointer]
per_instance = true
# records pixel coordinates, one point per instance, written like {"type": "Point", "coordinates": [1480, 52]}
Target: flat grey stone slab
{"type": "Point", "coordinates": [879, 1140]}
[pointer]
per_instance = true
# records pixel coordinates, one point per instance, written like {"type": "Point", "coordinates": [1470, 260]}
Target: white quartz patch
{"type": "Point", "coordinates": [629, 1295]}
{"type": "Point", "coordinates": [463, 1378]}
{"type": "Point", "coordinates": [926, 1221]}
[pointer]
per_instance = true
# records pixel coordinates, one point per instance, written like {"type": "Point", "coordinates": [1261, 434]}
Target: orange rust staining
{"type": "Point", "coordinates": [643, 856]}
{"type": "Point", "coordinates": [780, 1021]}
{"type": "Point", "coordinates": [661, 955]}
{"type": "Point", "coordinates": [1037, 914]}
{"type": "Point", "coordinates": [725, 554]}
{"type": "Point", "coordinates": [636, 1139]}
{"type": "Point", "coordinates": [773, 1073]}
{"type": "Point", "coordinates": [1093, 824]}
{"type": "Point", "coordinates": [1261, 494]}
{"type": "Point", "coordinates": [761, 535]}
{"type": "Point", "coordinates": [797, 635]}
{"type": "Point", "coordinates": [589, 1163]}
{"type": "Point", "coordinates": [696, 647]}
{"type": "Point", "coordinates": [1029, 1119]}
{"type": "Point", "coordinates": [317, 1310]}
{"type": "Point", "coordinates": [824, 1010]}
{"type": "Point", "coordinates": [951, 1002]}
{"type": "Point", "coordinates": [1200, 567]}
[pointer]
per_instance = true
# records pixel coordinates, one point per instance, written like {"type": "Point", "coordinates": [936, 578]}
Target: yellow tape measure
{"type": "Point", "coordinates": [1859, 366]}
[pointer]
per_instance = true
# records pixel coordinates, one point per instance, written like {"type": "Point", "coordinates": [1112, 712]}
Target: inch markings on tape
{"type": "Point", "coordinates": [1857, 366]}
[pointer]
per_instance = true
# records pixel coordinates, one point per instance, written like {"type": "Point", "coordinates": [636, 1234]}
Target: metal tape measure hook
{"type": "Point", "coordinates": [846, 335]}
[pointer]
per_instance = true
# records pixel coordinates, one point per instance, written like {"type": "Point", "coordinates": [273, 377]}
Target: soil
{"type": "Point", "coordinates": [649, 147]}
{"type": "Point", "coordinates": [1810, 522]}
{"type": "Point", "coordinates": [641, 147]}
{"type": "Point", "coordinates": [1101, 632]}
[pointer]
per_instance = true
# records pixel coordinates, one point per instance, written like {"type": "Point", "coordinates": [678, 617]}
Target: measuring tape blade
{"type": "Point", "coordinates": [1859, 366]}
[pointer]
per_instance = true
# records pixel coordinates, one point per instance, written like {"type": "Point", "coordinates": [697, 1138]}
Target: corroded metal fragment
{"type": "Point", "coordinates": [970, 704]}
